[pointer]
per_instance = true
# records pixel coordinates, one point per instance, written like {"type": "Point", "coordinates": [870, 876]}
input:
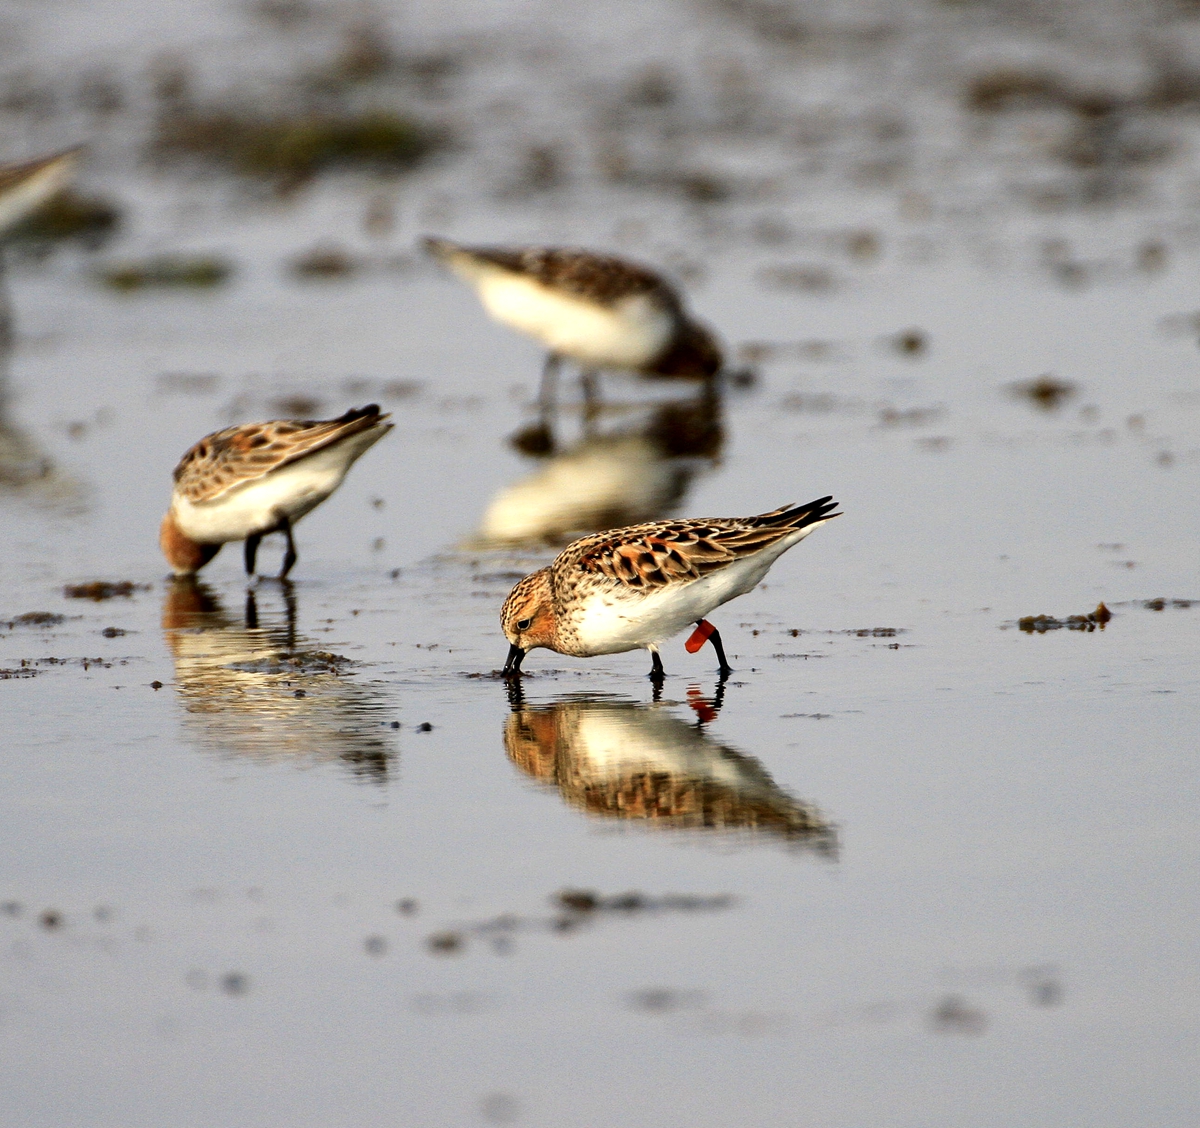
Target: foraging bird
{"type": "Point", "coordinates": [258, 478]}
{"type": "Point", "coordinates": [598, 310]}
{"type": "Point", "coordinates": [629, 589]}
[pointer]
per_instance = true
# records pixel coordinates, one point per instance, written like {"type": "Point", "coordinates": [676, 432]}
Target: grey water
{"type": "Point", "coordinates": [294, 855]}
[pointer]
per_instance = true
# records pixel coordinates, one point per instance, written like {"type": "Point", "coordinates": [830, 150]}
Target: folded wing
{"type": "Point", "coordinates": [230, 458]}
{"type": "Point", "coordinates": [645, 557]}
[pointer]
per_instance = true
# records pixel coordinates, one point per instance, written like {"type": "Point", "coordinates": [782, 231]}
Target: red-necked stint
{"type": "Point", "coordinates": [258, 478]}
{"type": "Point", "coordinates": [598, 310]}
{"type": "Point", "coordinates": [633, 588]}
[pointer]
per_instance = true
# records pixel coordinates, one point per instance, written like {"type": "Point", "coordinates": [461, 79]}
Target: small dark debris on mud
{"type": "Point", "coordinates": [9, 673]}
{"type": "Point", "coordinates": [235, 983]}
{"type": "Point", "coordinates": [664, 1000]}
{"type": "Point", "coordinates": [588, 901]}
{"type": "Point", "coordinates": [51, 919]}
{"type": "Point", "coordinates": [809, 278]}
{"type": "Point", "coordinates": [1161, 604]}
{"type": "Point", "coordinates": [167, 272]}
{"type": "Point", "coordinates": [910, 342]}
{"type": "Point", "coordinates": [1007, 89]}
{"type": "Point", "coordinates": [36, 619]}
{"type": "Point", "coordinates": [113, 632]}
{"type": "Point", "coordinates": [100, 590]}
{"type": "Point", "coordinates": [954, 1015]}
{"type": "Point", "coordinates": [375, 946]}
{"type": "Point", "coordinates": [1046, 392]}
{"type": "Point", "coordinates": [1040, 624]}
{"type": "Point", "coordinates": [424, 726]}
{"type": "Point", "coordinates": [323, 264]}
{"type": "Point", "coordinates": [890, 416]}
{"type": "Point", "coordinates": [445, 943]}
{"type": "Point", "coordinates": [295, 662]}
{"type": "Point", "coordinates": [296, 405]}
{"type": "Point", "coordinates": [407, 906]}
{"type": "Point", "coordinates": [156, 685]}
{"type": "Point", "coordinates": [10, 908]}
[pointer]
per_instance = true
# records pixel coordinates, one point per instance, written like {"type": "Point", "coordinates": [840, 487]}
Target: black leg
{"type": "Point", "coordinates": [291, 556]}
{"type": "Point", "coordinates": [512, 664]}
{"type": "Point", "coordinates": [251, 610]}
{"type": "Point", "coordinates": [252, 552]}
{"type": "Point", "coordinates": [657, 673]}
{"type": "Point", "coordinates": [725, 668]}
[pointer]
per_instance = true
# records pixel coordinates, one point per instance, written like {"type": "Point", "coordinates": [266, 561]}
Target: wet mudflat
{"type": "Point", "coordinates": [294, 855]}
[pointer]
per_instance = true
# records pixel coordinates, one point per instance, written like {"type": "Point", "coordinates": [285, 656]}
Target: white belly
{"type": "Point", "coordinates": [629, 334]}
{"type": "Point", "coordinates": [259, 505]}
{"type": "Point", "coordinates": [616, 622]}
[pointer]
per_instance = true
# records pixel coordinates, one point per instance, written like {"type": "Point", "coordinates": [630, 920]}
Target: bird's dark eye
{"type": "Point", "coordinates": [524, 624]}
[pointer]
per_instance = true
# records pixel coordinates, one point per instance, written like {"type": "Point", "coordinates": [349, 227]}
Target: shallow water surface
{"type": "Point", "coordinates": [294, 854]}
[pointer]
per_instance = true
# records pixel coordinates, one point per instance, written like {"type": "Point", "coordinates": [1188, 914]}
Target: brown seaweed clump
{"type": "Point", "coordinates": [200, 272]}
{"type": "Point", "coordinates": [290, 149]}
{"type": "Point", "coordinates": [1040, 624]}
{"type": "Point", "coordinates": [99, 590]}
{"type": "Point", "coordinates": [68, 217]}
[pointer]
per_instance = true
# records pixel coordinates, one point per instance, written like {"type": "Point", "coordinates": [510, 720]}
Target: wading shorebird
{"type": "Point", "coordinates": [598, 310]}
{"type": "Point", "coordinates": [630, 589]}
{"type": "Point", "coordinates": [258, 478]}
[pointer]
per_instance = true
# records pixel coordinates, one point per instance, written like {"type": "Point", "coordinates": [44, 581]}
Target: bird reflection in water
{"type": "Point", "coordinates": [253, 687]}
{"type": "Point", "coordinates": [619, 759]}
{"type": "Point", "coordinates": [633, 473]}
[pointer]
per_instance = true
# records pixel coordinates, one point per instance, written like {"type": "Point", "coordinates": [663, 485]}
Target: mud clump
{"type": "Point", "coordinates": [323, 264]}
{"type": "Point", "coordinates": [197, 272]}
{"type": "Point", "coordinates": [36, 619]}
{"type": "Point", "coordinates": [1046, 392]}
{"type": "Point", "coordinates": [68, 217]}
{"type": "Point", "coordinates": [954, 1015]}
{"type": "Point", "coordinates": [1161, 604]}
{"type": "Point", "coordinates": [288, 150]}
{"type": "Point", "coordinates": [588, 901]}
{"type": "Point", "coordinates": [298, 662]}
{"type": "Point", "coordinates": [445, 943]}
{"type": "Point", "coordinates": [1008, 89]}
{"type": "Point", "coordinates": [1040, 624]}
{"type": "Point", "coordinates": [100, 590]}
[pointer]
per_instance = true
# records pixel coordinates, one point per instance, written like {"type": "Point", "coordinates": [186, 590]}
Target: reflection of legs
{"type": "Point", "coordinates": [290, 557]}
{"type": "Point", "coordinates": [725, 668]}
{"type": "Point", "coordinates": [251, 610]}
{"type": "Point", "coordinates": [719, 693]}
{"type": "Point", "coordinates": [516, 693]}
{"type": "Point", "coordinates": [252, 552]}
{"type": "Point", "coordinates": [289, 602]}
{"type": "Point", "coordinates": [590, 380]}
{"type": "Point", "coordinates": [548, 392]}
{"type": "Point", "coordinates": [657, 673]}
